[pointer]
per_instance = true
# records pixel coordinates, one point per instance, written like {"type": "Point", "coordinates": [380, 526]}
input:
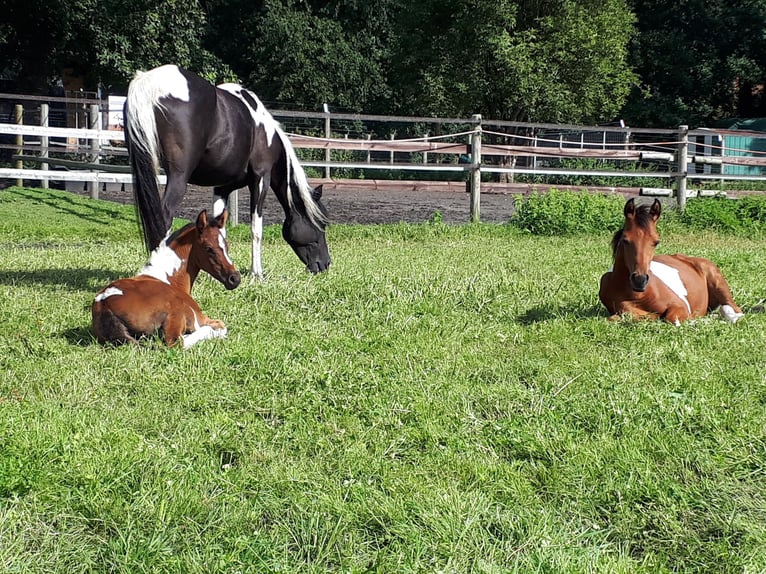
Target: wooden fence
{"type": "Point", "coordinates": [471, 154]}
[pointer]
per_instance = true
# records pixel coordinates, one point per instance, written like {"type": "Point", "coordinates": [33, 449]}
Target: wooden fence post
{"type": "Point", "coordinates": [94, 123]}
{"type": "Point", "coordinates": [328, 135]}
{"type": "Point", "coordinates": [19, 110]}
{"type": "Point", "coordinates": [44, 142]}
{"type": "Point", "coordinates": [682, 167]}
{"type": "Point", "coordinates": [476, 169]}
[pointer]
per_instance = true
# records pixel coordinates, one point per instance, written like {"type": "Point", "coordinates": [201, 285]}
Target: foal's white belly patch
{"type": "Point", "coordinates": [672, 278]}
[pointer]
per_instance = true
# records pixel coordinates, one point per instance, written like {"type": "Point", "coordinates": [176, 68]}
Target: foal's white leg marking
{"type": "Point", "coordinates": [672, 278]}
{"type": "Point", "coordinates": [201, 333]}
{"type": "Point", "coordinates": [195, 337]}
{"type": "Point", "coordinates": [108, 292]}
{"type": "Point", "coordinates": [728, 313]}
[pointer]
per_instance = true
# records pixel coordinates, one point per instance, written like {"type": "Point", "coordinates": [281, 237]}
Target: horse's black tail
{"type": "Point", "coordinates": [143, 149]}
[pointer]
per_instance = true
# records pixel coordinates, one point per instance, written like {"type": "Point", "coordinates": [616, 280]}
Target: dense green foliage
{"type": "Point", "coordinates": [651, 62]}
{"type": "Point", "coordinates": [563, 213]}
{"type": "Point", "coordinates": [697, 61]}
{"type": "Point", "coordinates": [444, 399]}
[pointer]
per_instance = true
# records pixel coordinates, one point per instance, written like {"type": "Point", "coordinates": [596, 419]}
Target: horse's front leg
{"type": "Point", "coordinates": [259, 186]}
{"type": "Point", "coordinates": [205, 328]}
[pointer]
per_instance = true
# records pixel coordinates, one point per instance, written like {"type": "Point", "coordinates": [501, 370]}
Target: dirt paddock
{"type": "Point", "coordinates": [364, 206]}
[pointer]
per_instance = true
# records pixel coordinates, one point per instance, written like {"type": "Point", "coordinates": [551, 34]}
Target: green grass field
{"type": "Point", "coordinates": [444, 399]}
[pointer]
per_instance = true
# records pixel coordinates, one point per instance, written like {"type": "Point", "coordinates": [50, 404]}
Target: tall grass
{"type": "Point", "coordinates": [444, 399]}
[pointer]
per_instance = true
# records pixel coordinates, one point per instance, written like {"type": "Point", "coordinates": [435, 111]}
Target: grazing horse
{"type": "Point", "coordinates": [159, 297]}
{"type": "Point", "coordinates": [219, 136]}
{"type": "Point", "coordinates": [672, 287]}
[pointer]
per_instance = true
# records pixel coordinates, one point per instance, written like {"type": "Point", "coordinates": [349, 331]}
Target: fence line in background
{"type": "Point", "coordinates": [481, 151]}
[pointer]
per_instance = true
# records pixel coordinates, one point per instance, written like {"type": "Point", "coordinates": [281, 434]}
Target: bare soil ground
{"type": "Point", "coordinates": [361, 206]}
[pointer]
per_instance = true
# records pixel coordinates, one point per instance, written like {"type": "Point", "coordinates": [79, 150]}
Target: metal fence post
{"type": "Point", "coordinates": [682, 167]}
{"type": "Point", "coordinates": [476, 169]}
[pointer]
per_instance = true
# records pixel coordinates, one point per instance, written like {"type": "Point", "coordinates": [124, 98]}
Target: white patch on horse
{"type": "Point", "coordinates": [163, 263]}
{"type": "Point", "coordinates": [108, 292]}
{"type": "Point", "coordinates": [170, 79]}
{"type": "Point", "coordinates": [672, 278]}
{"type": "Point", "coordinates": [256, 231]}
{"type": "Point", "coordinates": [260, 114]}
{"type": "Point", "coordinates": [219, 204]}
{"type": "Point", "coordinates": [728, 313]}
{"type": "Point", "coordinates": [222, 245]}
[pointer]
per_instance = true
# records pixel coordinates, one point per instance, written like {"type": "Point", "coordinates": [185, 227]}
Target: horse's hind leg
{"type": "Point", "coordinates": [719, 295]}
{"type": "Point", "coordinates": [175, 189]}
{"type": "Point", "coordinates": [108, 328]}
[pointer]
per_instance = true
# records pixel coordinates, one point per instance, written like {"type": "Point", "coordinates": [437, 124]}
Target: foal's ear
{"type": "Point", "coordinates": [655, 210]}
{"type": "Point", "coordinates": [223, 218]}
{"type": "Point", "coordinates": [630, 208]}
{"type": "Point", "coordinates": [202, 220]}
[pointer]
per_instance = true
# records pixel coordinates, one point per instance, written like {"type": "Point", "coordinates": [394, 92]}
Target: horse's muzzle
{"type": "Point", "coordinates": [233, 280]}
{"type": "Point", "coordinates": [318, 266]}
{"type": "Point", "coordinates": [639, 282]}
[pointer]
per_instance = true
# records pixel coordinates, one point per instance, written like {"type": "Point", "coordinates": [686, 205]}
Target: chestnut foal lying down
{"type": "Point", "coordinates": [159, 297]}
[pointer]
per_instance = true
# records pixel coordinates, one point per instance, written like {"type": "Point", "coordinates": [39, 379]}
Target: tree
{"type": "Point", "coordinates": [546, 60]}
{"type": "Point", "coordinates": [306, 53]}
{"type": "Point", "coordinates": [100, 40]}
{"type": "Point", "coordinates": [698, 61]}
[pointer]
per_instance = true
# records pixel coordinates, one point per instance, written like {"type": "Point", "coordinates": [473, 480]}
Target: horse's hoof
{"type": "Point", "coordinates": [728, 313]}
{"type": "Point", "coordinates": [220, 333]}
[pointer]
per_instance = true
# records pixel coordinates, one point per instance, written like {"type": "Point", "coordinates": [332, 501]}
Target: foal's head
{"type": "Point", "coordinates": [638, 240]}
{"type": "Point", "coordinates": [210, 251]}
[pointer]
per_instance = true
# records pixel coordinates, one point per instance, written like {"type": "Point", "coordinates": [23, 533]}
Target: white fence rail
{"type": "Point", "coordinates": [481, 150]}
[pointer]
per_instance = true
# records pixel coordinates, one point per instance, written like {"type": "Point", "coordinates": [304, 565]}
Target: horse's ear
{"type": "Point", "coordinates": [316, 193]}
{"type": "Point", "coordinates": [202, 220]}
{"type": "Point", "coordinates": [223, 218]}
{"type": "Point", "coordinates": [630, 208]}
{"type": "Point", "coordinates": [655, 210]}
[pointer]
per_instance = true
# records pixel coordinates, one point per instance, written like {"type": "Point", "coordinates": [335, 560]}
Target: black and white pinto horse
{"type": "Point", "coordinates": [221, 137]}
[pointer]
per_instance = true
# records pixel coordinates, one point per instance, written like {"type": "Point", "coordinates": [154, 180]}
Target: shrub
{"type": "Point", "coordinates": [566, 213]}
{"type": "Point", "coordinates": [745, 215]}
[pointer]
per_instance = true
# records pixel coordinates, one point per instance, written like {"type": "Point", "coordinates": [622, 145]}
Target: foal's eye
{"type": "Point", "coordinates": [656, 243]}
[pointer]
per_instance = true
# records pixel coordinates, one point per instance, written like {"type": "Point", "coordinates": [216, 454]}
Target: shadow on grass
{"type": "Point", "coordinates": [101, 212]}
{"type": "Point", "coordinates": [75, 279]}
{"type": "Point", "coordinates": [80, 336]}
{"type": "Point", "coordinates": [551, 312]}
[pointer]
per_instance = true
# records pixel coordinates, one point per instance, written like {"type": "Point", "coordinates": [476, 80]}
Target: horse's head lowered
{"type": "Point", "coordinates": [307, 237]}
{"type": "Point", "coordinates": [637, 241]}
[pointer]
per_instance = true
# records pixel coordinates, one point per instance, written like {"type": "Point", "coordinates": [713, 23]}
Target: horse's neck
{"type": "Point", "coordinates": [170, 264]}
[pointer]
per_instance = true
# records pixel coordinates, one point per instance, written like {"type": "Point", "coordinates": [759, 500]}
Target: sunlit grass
{"type": "Point", "coordinates": [443, 399]}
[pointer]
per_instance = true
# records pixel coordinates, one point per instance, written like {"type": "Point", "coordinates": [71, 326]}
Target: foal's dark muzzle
{"type": "Point", "coordinates": [639, 282]}
{"type": "Point", "coordinates": [233, 280]}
